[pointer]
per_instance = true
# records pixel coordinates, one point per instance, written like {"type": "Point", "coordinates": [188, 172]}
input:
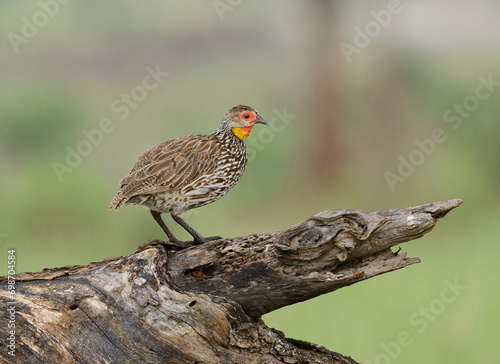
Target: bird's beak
{"type": "Point", "coordinates": [260, 120]}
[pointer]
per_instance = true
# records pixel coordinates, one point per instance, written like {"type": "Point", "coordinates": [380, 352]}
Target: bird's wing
{"type": "Point", "coordinates": [171, 165]}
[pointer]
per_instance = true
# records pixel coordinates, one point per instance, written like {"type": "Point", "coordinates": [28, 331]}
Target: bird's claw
{"type": "Point", "coordinates": [207, 239]}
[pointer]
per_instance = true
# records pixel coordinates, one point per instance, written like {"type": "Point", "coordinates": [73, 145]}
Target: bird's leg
{"type": "Point", "coordinates": [171, 236]}
{"type": "Point", "coordinates": [198, 239]}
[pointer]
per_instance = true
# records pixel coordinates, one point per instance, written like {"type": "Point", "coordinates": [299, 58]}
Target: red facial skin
{"type": "Point", "coordinates": [248, 117]}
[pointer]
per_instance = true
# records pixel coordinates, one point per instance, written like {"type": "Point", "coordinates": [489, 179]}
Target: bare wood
{"type": "Point", "coordinates": [202, 304]}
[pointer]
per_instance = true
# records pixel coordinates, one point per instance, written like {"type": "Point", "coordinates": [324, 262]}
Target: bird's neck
{"type": "Point", "coordinates": [226, 134]}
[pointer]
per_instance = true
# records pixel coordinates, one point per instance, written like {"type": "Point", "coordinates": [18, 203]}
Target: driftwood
{"type": "Point", "coordinates": [203, 304]}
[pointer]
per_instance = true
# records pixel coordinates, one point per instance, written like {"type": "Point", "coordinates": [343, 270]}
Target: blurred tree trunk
{"type": "Point", "coordinates": [324, 96]}
{"type": "Point", "coordinates": [203, 304]}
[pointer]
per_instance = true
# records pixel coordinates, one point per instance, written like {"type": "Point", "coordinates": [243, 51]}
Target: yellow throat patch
{"type": "Point", "coordinates": [242, 132]}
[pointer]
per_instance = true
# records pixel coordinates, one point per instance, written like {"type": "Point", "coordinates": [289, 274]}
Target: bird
{"type": "Point", "coordinates": [189, 172]}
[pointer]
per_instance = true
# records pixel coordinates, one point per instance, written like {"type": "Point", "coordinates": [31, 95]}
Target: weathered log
{"type": "Point", "coordinates": [203, 304]}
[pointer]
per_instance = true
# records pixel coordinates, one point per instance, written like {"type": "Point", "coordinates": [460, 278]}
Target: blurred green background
{"type": "Point", "coordinates": [351, 90]}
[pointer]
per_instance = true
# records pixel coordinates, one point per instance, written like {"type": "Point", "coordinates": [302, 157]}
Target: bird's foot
{"type": "Point", "coordinates": [210, 238]}
{"type": "Point", "coordinates": [207, 239]}
{"type": "Point", "coordinates": [179, 243]}
{"type": "Point", "coordinates": [169, 245]}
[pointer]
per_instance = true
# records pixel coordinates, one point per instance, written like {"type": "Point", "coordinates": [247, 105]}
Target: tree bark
{"type": "Point", "coordinates": [203, 304]}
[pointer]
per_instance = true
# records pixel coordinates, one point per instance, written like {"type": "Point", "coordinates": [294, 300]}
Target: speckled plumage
{"type": "Point", "coordinates": [191, 171]}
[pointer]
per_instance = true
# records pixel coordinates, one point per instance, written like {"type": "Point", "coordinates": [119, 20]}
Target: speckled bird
{"type": "Point", "coordinates": [188, 172]}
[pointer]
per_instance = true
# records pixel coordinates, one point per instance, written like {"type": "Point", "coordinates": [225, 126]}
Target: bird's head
{"type": "Point", "coordinates": [241, 119]}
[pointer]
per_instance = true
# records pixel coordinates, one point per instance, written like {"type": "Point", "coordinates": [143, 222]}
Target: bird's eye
{"type": "Point", "coordinates": [246, 116]}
